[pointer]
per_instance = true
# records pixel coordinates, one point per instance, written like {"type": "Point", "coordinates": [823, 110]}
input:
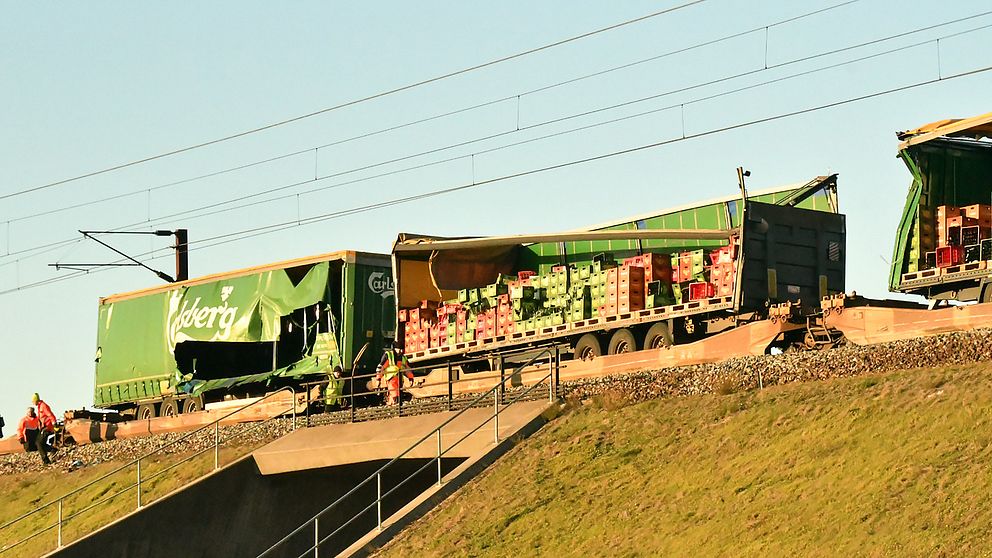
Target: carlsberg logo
{"type": "Point", "coordinates": [192, 315]}
{"type": "Point", "coordinates": [380, 283]}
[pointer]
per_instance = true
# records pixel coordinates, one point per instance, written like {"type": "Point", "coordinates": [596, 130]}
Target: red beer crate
{"type": "Point", "coordinates": [701, 291]}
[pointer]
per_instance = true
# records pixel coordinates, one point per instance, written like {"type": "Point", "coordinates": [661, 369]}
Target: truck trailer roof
{"type": "Point", "coordinates": [348, 256]}
{"type": "Point", "coordinates": [975, 127]}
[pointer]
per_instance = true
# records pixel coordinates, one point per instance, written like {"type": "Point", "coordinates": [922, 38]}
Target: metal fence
{"type": "Point", "coordinates": [138, 487]}
{"type": "Point", "coordinates": [496, 392]}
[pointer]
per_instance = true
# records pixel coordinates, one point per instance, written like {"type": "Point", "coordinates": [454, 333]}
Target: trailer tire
{"type": "Point", "coordinates": [588, 347]}
{"type": "Point", "coordinates": [169, 408]}
{"type": "Point", "coordinates": [622, 341]}
{"type": "Point", "coordinates": [658, 336]}
{"type": "Point", "coordinates": [192, 405]}
{"type": "Point", "coordinates": [145, 411]}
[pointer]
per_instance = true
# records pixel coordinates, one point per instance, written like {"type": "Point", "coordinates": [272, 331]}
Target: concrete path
{"type": "Point", "coordinates": [339, 444]}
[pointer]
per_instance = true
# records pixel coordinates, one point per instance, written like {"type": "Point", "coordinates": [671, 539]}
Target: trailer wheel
{"type": "Point", "coordinates": [145, 411]}
{"type": "Point", "coordinates": [658, 337]}
{"type": "Point", "coordinates": [623, 341]}
{"type": "Point", "coordinates": [192, 405]}
{"type": "Point", "coordinates": [169, 408]}
{"type": "Point", "coordinates": [588, 347]}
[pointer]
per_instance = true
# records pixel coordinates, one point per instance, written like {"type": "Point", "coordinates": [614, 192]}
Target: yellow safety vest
{"type": "Point", "coordinates": [393, 369]}
{"type": "Point", "coordinates": [334, 391]}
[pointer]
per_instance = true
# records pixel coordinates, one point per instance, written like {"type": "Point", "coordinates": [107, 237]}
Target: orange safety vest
{"type": "Point", "coordinates": [46, 415]}
{"type": "Point", "coordinates": [27, 423]}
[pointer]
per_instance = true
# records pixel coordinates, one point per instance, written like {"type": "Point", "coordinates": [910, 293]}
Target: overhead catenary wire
{"type": "Point", "coordinates": [276, 227]}
{"type": "Point", "coordinates": [359, 100]}
{"type": "Point", "coordinates": [514, 97]}
{"type": "Point", "coordinates": [209, 210]}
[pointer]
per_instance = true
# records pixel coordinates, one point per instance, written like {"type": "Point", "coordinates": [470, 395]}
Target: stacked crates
{"type": "Point", "coordinates": [532, 302]}
{"type": "Point", "coordinates": [418, 326]}
{"type": "Point", "coordinates": [961, 233]}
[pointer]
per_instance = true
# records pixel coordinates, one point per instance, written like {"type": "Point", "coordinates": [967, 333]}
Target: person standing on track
{"type": "Point", "coordinates": [393, 367]}
{"type": "Point", "coordinates": [48, 422]}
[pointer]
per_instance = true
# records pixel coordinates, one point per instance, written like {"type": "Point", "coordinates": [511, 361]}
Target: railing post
{"type": "Point", "coordinates": [496, 416]}
{"type": "Point", "coordinates": [450, 384]}
{"type": "Point", "coordinates": [217, 444]}
{"type": "Point", "coordinates": [502, 375]}
{"type": "Point", "coordinates": [439, 457]}
{"type": "Point", "coordinates": [307, 410]}
{"type": "Point", "coordinates": [316, 537]}
{"type": "Point", "coordinates": [551, 379]}
{"type": "Point", "coordinates": [60, 523]}
{"type": "Point", "coordinates": [138, 484]}
{"type": "Point", "coordinates": [352, 395]}
{"type": "Point", "coordinates": [557, 371]}
{"type": "Point", "coordinates": [378, 500]}
{"type": "Point", "coordinates": [293, 400]}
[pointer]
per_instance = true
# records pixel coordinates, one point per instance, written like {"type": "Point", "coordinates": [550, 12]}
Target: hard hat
{"type": "Point", "coordinates": [35, 398]}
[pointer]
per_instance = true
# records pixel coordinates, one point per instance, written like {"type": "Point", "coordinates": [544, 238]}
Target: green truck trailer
{"type": "Point", "coordinates": [951, 166]}
{"type": "Point", "coordinates": [173, 348]}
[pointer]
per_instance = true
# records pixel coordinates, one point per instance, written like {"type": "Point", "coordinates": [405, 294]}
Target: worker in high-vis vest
{"type": "Point", "coordinates": [392, 368]}
{"type": "Point", "coordinates": [334, 392]}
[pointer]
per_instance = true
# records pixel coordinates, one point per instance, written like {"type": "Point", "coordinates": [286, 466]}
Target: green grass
{"type": "Point", "coordinates": [897, 464]}
{"type": "Point", "coordinates": [25, 492]}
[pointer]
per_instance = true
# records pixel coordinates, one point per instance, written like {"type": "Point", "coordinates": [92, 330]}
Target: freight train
{"type": "Point", "coordinates": [669, 277]}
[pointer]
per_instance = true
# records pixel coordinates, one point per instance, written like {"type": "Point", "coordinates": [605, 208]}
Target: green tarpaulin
{"type": "Point", "coordinates": [137, 337]}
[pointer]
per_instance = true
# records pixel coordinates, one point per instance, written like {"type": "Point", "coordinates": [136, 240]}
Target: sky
{"type": "Point", "coordinates": [84, 87]}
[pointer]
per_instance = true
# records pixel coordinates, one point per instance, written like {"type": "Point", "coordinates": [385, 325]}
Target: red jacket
{"type": "Point", "coordinates": [45, 415]}
{"type": "Point", "coordinates": [27, 423]}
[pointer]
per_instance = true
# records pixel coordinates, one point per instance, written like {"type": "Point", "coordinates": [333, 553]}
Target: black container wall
{"type": "Point", "coordinates": [791, 254]}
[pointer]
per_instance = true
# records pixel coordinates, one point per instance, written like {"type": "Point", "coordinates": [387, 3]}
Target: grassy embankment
{"type": "Point", "coordinates": [22, 493]}
{"type": "Point", "coordinates": [889, 465]}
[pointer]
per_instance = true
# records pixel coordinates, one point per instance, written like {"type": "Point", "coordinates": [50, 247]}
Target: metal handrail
{"type": "Point", "coordinates": [137, 463]}
{"type": "Point", "coordinates": [436, 431]}
{"type": "Point", "coordinates": [426, 465]}
{"type": "Point", "coordinates": [474, 377]}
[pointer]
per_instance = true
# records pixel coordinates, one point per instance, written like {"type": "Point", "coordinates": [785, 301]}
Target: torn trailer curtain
{"type": "Point", "coordinates": [137, 337]}
{"type": "Point", "coordinates": [435, 268]}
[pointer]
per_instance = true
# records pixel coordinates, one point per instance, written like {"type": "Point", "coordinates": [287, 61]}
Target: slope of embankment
{"type": "Point", "coordinates": [890, 464]}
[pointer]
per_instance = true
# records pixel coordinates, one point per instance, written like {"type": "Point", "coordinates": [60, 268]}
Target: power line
{"type": "Point", "coordinates": [354, 102]}
{"type": "Point", "coordinates": [199, 211]}
{"type": "Point", "coordinates": [276, 227]}
{"type": "Point", "coordinates": [484, 104]}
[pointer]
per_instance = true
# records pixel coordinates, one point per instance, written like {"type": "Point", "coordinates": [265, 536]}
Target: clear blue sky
{"type": "Point", "coordinates": [88, 86]}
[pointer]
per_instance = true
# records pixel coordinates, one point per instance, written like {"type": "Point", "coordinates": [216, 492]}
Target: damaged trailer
{"type": "Point", "coordinates": [943, 246]}
{"type": "Point", "coordinates": [787, 246]}
{"type": "Point", "coordinates": [174, 348]}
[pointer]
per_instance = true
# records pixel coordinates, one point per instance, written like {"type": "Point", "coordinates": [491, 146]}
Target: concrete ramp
{"type": "Point", "coordinates": [340, 444]}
